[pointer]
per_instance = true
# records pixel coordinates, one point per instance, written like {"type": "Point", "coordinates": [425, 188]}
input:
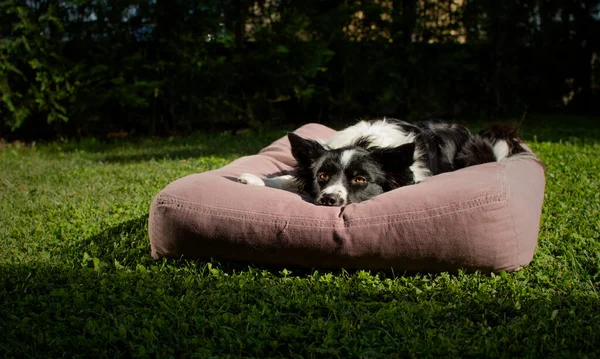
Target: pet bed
{"type": "Point", "coordinates": [484, 217]}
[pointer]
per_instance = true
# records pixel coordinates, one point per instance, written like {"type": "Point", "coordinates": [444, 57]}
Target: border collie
{"type": "Point", "coordinates": [373, 157]}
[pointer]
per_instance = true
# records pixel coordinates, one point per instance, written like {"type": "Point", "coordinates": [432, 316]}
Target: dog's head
{"type": "Point", "coordinates": [336, 177]}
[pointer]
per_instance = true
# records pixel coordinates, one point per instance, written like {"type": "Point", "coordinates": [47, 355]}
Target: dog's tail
{"type": "Point", "coordinates": [498, 142]}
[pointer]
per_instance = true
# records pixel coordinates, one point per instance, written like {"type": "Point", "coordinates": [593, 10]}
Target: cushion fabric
{"type": "Point", "coordinates": [484, 217]}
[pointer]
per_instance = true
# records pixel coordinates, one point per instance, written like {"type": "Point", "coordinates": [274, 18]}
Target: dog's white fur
{"type": "Point", "coordinates": [501, 150]}
{"type": "Point", "coordinates": [381, 132]}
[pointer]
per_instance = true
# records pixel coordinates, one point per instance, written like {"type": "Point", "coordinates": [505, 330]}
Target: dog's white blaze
{"type": "Point", "coordinates": [501, 150]}
{"type": "Point", "coordinates": [346, 158]}
{"type": "Point", "coordinates": [337, 189]}
{"type": "Point", "coordinates": [383, 134]}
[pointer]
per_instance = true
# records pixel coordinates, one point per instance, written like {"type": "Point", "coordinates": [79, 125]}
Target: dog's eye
{"type": "Point", "coordinates": [322, 177]}
{"type": "Point", "coordinates": [359, 179]}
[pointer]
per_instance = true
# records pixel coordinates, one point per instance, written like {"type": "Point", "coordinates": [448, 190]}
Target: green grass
{"type": "Point", "coordinates": [76, 278]}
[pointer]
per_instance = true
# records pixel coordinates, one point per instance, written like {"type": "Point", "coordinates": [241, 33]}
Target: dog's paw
{"type": "Point", "coordinates": [250, 179]}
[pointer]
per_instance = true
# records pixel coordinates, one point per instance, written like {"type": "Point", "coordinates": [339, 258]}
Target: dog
{"type": "Point", "coordinates": [373, 157]}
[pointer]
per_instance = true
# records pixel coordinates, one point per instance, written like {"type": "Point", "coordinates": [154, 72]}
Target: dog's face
{"type": "Point", "coordinates": [346, 176]}
{"type": "Point", "coordinates": [351, 174]}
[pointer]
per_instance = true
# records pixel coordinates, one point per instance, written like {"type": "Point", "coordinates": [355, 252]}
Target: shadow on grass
{"type": "Point", "coordinates": [127, 244]}
{"type": "Point", "coordinates": [165, 311]}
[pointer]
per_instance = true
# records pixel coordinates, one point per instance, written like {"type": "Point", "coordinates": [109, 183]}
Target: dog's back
{"type": "Point", "coordinates": [452, 146]}
{"type": "Point", "coordinates": [442, 142]}
{"type": "Point", "coordinates": [439, 146]}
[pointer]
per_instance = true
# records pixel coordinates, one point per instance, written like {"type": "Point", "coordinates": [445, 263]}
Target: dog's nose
{"type": "Point", "coordinates": [328, 199]}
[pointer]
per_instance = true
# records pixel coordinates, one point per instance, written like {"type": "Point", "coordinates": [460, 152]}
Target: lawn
{"type": "Point", "coordinates": [77, 280]}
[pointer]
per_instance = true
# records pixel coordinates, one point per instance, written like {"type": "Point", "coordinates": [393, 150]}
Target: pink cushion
{"type": "Point", "coordinates": [484, 217]}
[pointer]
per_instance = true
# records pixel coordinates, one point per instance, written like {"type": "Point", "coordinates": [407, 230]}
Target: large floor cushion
{"type": "Point", "coordinates": [484, 218]}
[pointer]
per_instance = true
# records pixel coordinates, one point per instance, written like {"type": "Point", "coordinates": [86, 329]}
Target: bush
{"type": "Point", "coordinates": [83, 67]}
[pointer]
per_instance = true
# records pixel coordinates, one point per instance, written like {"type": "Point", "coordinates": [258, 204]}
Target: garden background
{"type": "Point", "coordinates": [89, 68]}
{"type": "Point", "coordinates": [103, 103]}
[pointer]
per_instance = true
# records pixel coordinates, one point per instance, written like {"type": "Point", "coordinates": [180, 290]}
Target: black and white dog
{"type": "Point", "coordinates": [373, 157]}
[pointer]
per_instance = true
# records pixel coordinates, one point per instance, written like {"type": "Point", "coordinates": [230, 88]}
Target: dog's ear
{"type": "Point", "coordinates": [395, 162]}
{"type": "Point", "coordinates": [395, 158]}
{"type": "Point", "coordinates": [304, 151]}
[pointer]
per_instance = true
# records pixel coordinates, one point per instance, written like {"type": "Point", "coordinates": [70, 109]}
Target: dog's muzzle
{"type": "Point", "coordinates": [330, 199]}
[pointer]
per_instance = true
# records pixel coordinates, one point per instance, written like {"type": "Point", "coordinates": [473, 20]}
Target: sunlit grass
{"type": "Point", "coordinates": [76, 277]}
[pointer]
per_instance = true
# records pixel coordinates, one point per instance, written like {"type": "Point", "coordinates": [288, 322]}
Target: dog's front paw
{"type": "Point", "coordinates": [247, 178]}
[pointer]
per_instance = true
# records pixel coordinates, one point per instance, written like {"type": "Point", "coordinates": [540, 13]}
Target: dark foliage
{"type": "Point", "coordinates": [84, 67]}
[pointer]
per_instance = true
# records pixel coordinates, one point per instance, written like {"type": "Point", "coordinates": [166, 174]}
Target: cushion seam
{"type": "Point", "coordinates": [492, 198]}
{"type": "Point", "coordinates": [324, 223]}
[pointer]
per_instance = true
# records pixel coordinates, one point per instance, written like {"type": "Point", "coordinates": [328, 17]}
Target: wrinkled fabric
{"type": "Point", "coordinates": [484, 217]}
